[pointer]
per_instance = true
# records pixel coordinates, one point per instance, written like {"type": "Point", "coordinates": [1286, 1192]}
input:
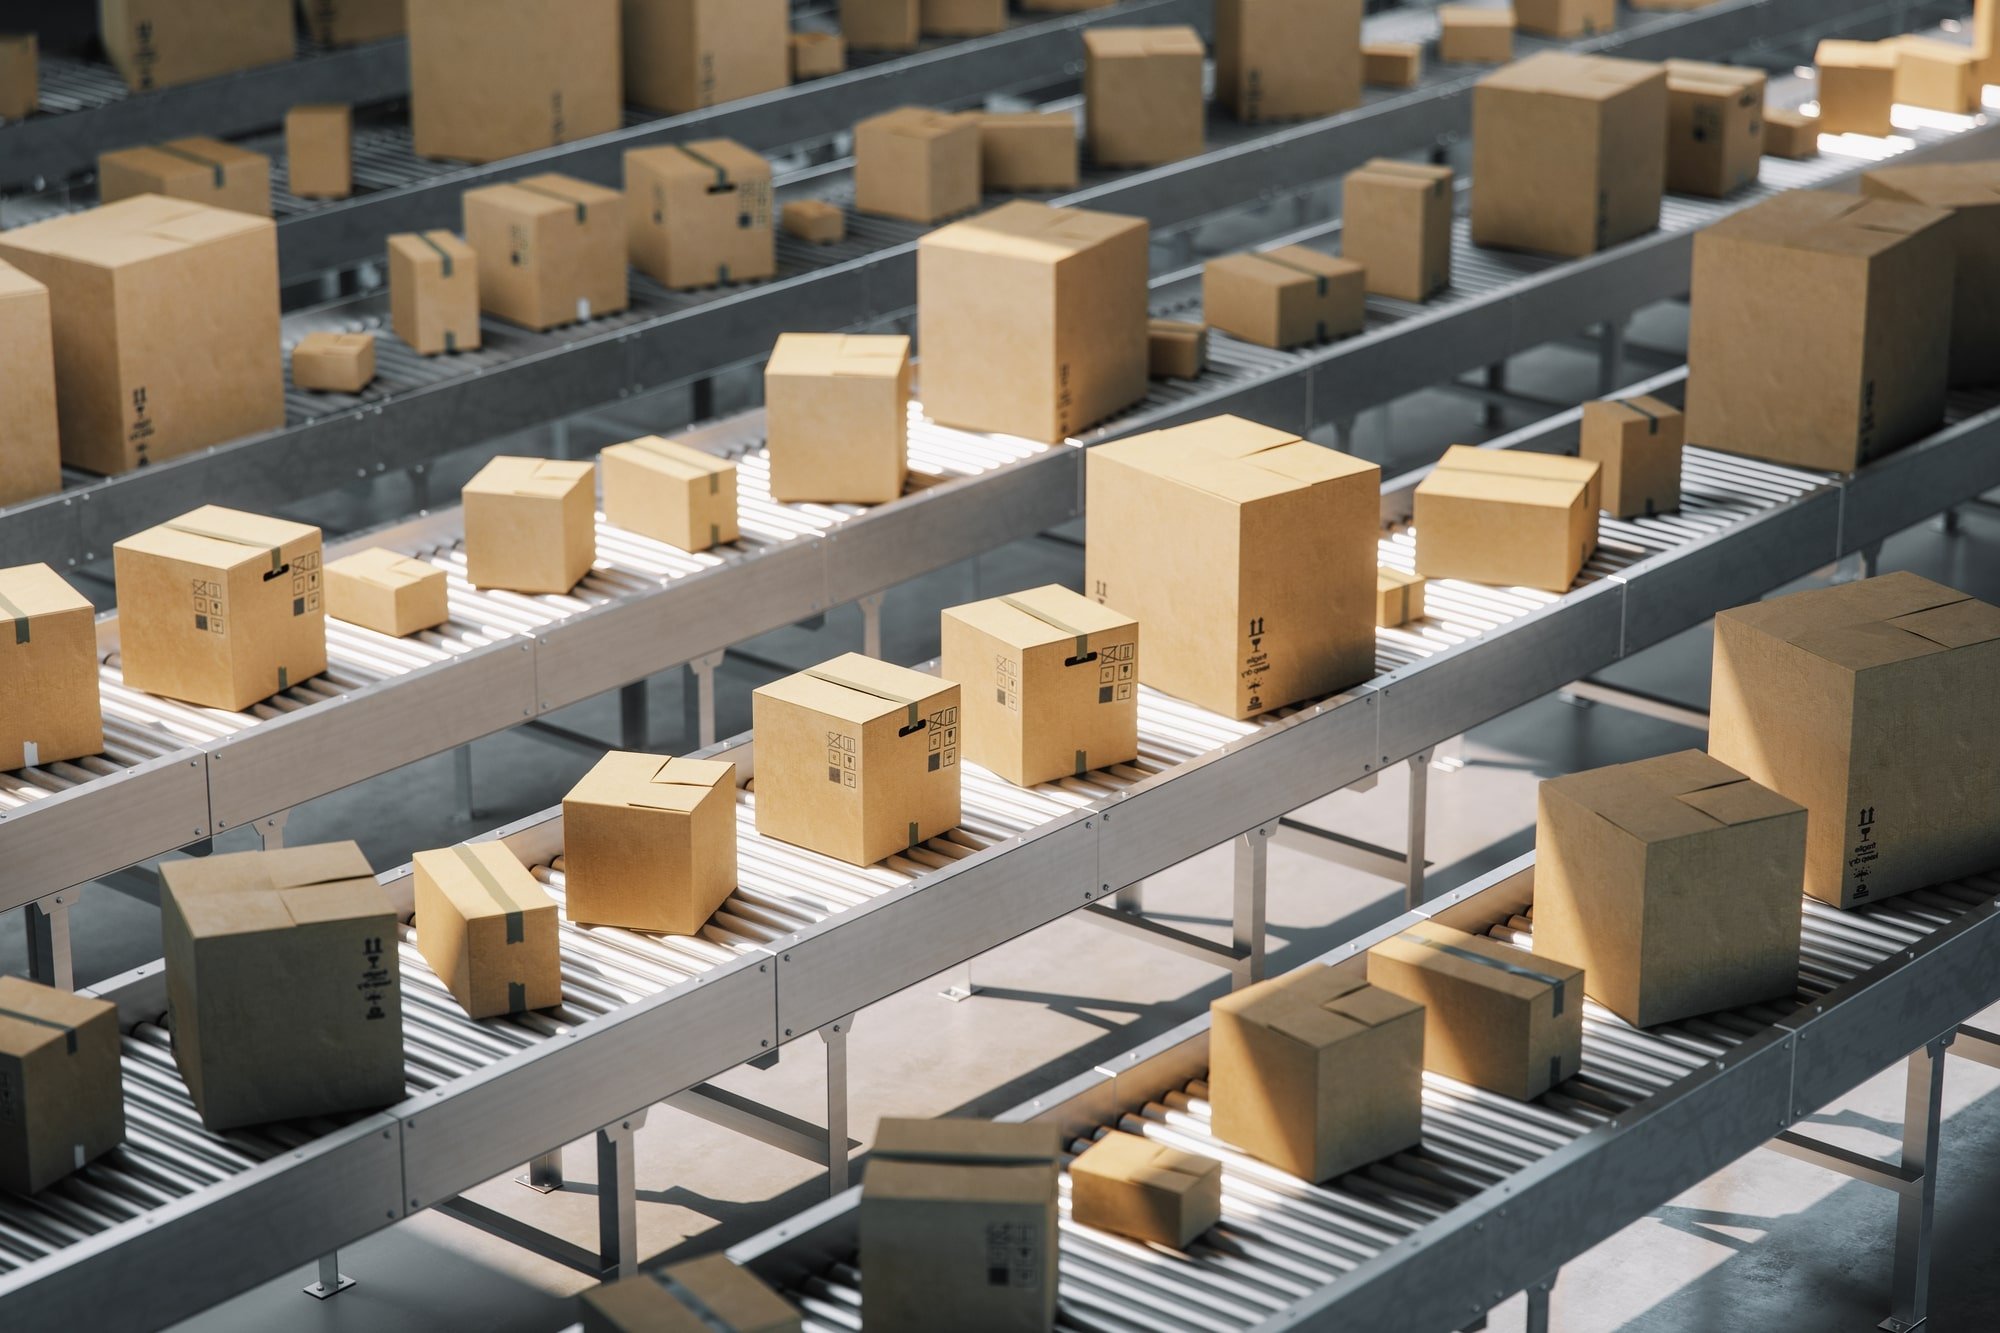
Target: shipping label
{"type": "Point", "coordinates": [305, 584]}
{"type": "Point", "coordinates": [943, 738]}
{"type": "Point", "coordinates": [1013, 1255]}
{"type": "Point", "coordinates": [208, 607]}
{"type": "Point", "coordinates": [1117, 672]}
{"type": "Point", "coordinates": [140, 436]}
{"type": "Point", "coordinates": [841, 768]}
{"type": "Point", "coordinates": [1007, 682]}
{"type": "Point", "coordinates": [376, 981]}
{"type": "Point", "coordinates": [1861, 860]}
{"type": "Point", "coordinates": [1256, 665]}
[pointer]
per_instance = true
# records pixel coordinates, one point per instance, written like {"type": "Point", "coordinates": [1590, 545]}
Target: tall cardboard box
{"type": "Point", "coordinates": [1470, 35]}
{"type": "Point", "coordinates": [434, 292]}
{"type": "Point", "coordinates": [1790, 134]}
{"type": "Point", "coordinates": [856, 758]}
{"type": "Point", "coordinates": [815, 55]}
{"type": "Point", "coordinates": [916, 164]}
{"type": "Point", "coordinates": [1247, 554]}
{"type": "Point", "coordinates": [387, 592]}
{"type": "Point", "coordinates": [1857, 87]}
{"type": "Point", "coordinates": [960, 1216]}
{"type": "Point", "coordinates": [684, 55]}
{"type": "Point", "coordinates": [352, 22]}
{"type": "Point", "coordinates": [1142, 98]}
{"type": "Point", "coordinates": [329, 362]}
{"type": "Point", "coordinates": [1566, 18]}
{"type": "Point", "coordinates": [1287, 59]}
{"type": "Point", "coordinates": [1673, 882]}
{"type": "Point", "coordinates": [1715, 127]}
{"type": "Point", "coordinates": [551, 249]}
{"type": "Point", "coordinates": [836, 417]}
{"type": "Point", "coordinates": [1851, 293]}
{"type": "Point", "coordinates": [205, 171]}
{"type": "Point", "coordinates": [1132, 1186]}
{"type": "Point", "coordinates": [1941, 76]}
{"type": "Point", "coordinates": [670, 492]}
{"type": "Point", "coordinates": [1970, 192]}
{"type": "Point", "coordinates": [48, 670]}
{"type": "Point", "coordinates": [1636, 444]}
{"type": "Point", "coordinates": [487, 929]}
{"type": "Point", "coordinates": [62, 1096]}
{"type": "Point", "coordinates": [319, 150]}
{"type": "Point", "coordinates": [1872, 705]}
{"type": "Point", "coordinates": [881, 25]}
{"type": "Point", "coordinates": [161, 43]}
{"type": "Point", "coordinates": [1508, 518]}
{"type": "Point", "coordinates": [649, 843]}
{"type": "Point", "coordinates": [220, 607]}
{"type": "Point", "coordinates": [1027, 151]}
{"type": "Point", "coordinates": [705, 1295]}
{"type": "Point", "coordinates": [962, 18]}
{"type": "Point", "coordinates": [1032, 319]}
{"type": "Point", "coordinates": [530, 524]}
{"type": "Point", "coordinates": [1392, 64]}
{"type": "Point", "coordinates": [30, 449]}
{"type": "Point", "coordinates": [1395, 221]}
{"type": "Point", "coordinates": [20, 75]}
{"type": "Point", "coordinates": [1284, 297]}
{"type": "Point", "coordinates": [700, 213]}
{"type": "Point", "coordinates": [496, 78]}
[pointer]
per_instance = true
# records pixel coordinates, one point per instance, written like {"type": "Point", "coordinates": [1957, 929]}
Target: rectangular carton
{"type": "Point", "coordinates": [387, 592]}
{"type": "Point", "coordinates": [1399, 597]}
{"type": "Point", "coordinates": [836, 417]}
{"type": "Point", "coordinates": [1857, 87]}
{"type": "Point", "coordinates": [550, 248]}
{"type": "Point", "coordinates": [496, 78]}
{"type": "Point", "coordinates": [351, 22]}
{"type": "Point", "coordinates": [1469, 35]}
{"type": "Point", "coordinates": [1395, 221]}
{"type": "Point", "coordinates": [1986, 38]}
{"type": "Point", "coordinates": [814, 220]}
{"type": "Point", "coordinates": [1284, 297]}
{"type": "Point", "coordinates": [1392, 64]}
{"type": "Point", "coordinates": [1287, 59]}
{"type": "Point", "coordinates": [20, 75]}
{"type": "Point", "coordinates": [434, 292]}
{"type": "Point", "coordinates": [487, 929]}
{"type": "Point", "coordinates": [649, 843]}
{"type": "Point", "coordinates": [530, 524]}
{"type": "Point", "coordinates": [1970, 192]}
{"type": "Point", "coordinates": [1636, 444]}
{"type": "Point", "coordinates": [1941, 76]}
{"type": "Point", "coordinates": [203, 171]}
{"type": "Point", "coordinates": [62, 1097]}
{"type": "Point", "coordinates": [48, 670]}
{"type": "Point", "coordinates": [880, 25]}
{"type": "Point", "coordinates": [1176, 349]}
{"type": "Point", "coordinates": [1566, 18]}
{"type": "Point", "coordinates": [161, 43]}
{"type": "Point", "coordinates": [669, 492]}
{"type": "Point", "coordinates": [1715, 127]}
{"type": "Point", "coordinates": [815, 55]}
{"type": "Point", "coordinates": [319, 150]}
{"type": "Point", "coordinates": [916, 164]}
{"type": "Point", "coordinates": [705, 1295]}
{"type": "Point", "coordinates": [30, 449]}
{"type": "Point", "coordinates": [1142, 95]}
{"type": "Point", "coordinates": [334, 362]}
{"type": "Point", "coordinates": [700, 213]}
{"type": "Point", "coordinates": [1790, 134]}
{"type": "Point", "coordinates": [684, 55]}
{"type": "Point", "coordinates": [1027, 151]}
{"type": "Point", "coordinates": [1132, 1186]}
{"type": "Point", "coordinates": [1508, 518]}
{"type": "Point", "coordinates": [963, 18]}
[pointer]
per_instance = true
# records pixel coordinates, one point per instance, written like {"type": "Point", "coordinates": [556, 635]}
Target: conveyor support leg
{"type": "Point", "coordinates": [871, 624]}
{"type": "Point", "coordinates": [617, 1199]}
{"type": "Point", "coordinates": [835, 1037]}
{"type": "Point", "coordinates": [331, 1280]}
{"type": "Point", "coordinates": [461, 773]}
{"type": "Point", "coordinates": [1538, 1305]}
{"type": "Point", "coordinates": [632, 721]}
{"type": "Point", "coordinates": [1131, 899]}
{"type": "Point", "coordinates": [1923, 1097]}
{"type": "Point", "coordinates": [271, 830]}
{"type": "Point", "coordinates": [1610, 357]}
{"type": "Point", "coordinates": [1871, 560]}
{"type": "Point", "coordinates": [49, 959]}
{"type": "Point", "coordinates": [1496, 380]}
{"type": "Point", "coordinates": [545, 1173]}
{"type": "Point", "coordinates": [1253, 875]}
{"type": "Point", "coordinates": [1420, 790]}
{"type": "Point", "coordinates": [961, 986]}
{"type": "Point", "coordinates": [698, 701]}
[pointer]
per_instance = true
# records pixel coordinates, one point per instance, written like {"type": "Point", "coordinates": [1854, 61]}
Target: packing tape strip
{"type": "Point", "coordinates": [445, 255]}
{"type": "Point", "coordinates": [1082, 762]}
{"type": "Point", "coordinates": [704, 1313]}
{"type": "Point", "coordinates": [516, 925]}
{"type": "Point", "coordinates": [22, 630]}
{"type": "Point", "coordinates": [1053, 622]}
{"type": "Point", "coordinates": [215, 167]}
{"type": "Point", "coordinates": [517, 995]}
{"type": "Point", "coordinates": [916, 719]}
{"type": "Point", "coordinates": [277, 552]}
{"type": "Point", "coordinates": [914, 840]}
{"type": "Point", "coordinates": [1555, 984]}
{"type": "Point", "coordinates": [721, 172]}
{"type": "Point", "coordinates": [40, 1022]}
{"type": "Point", "coordinates": [1319, 278]}
{"type": "Point", "coordinates": [1652, 421]}
{"type": "Point", "coordinates": [582, 209]}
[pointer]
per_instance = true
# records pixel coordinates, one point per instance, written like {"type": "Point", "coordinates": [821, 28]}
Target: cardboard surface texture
{"type": "Point", "coordinates": [1566, 18]}
{"type": "Point", "coordinates": [1131, 1186]}
{"type": "Point", "coordinates": [203, 171]}
{"type": "Point", "coordinates": [161, 43]}
{"type": "Point", "coordinates": [684, 55]}
{"type": "Point", "coordinates": [1472, 35]}
{"type": "Point", "coordinates": [962, 18]}
{"type": "Point", "coordinates": [881, 25]}
{"type": "Point", "coordinates": [670, 492]}
{"type": "Point", "coordinates": [917, 164]}
{"type": "Point", "coordinates": [319, 151]}
{"type": "Point", "coordinates": [815, 55]}
{"type": "Point", "coordinates": [1399, 597]}
{"type": "Point", "coordinates": [814, 220]}
{"type": "Point", "coordinates": [650, 842]}
{"type": "Point", "coordinates": [20, 75]}
{"type": "Point", "coordinates": [62, 1095]}
{"type": "Point", "coordinates": [334, 362]}
{"type": "Point", "coordinates": [496, 78]}
{"type": "Point", "coordinates": [706, 1295]}
{"type": "Point", "coordinates": [1396, 224]}
{"type": "Point", "coordinates": [49, 708]}
{"type": "Point", "coordinates": [1715, 127]}
{"type": "Point", "coordinates": [487, 929]}
{"type": "Point", "coordinates": [351, 22]}
{"type": "Point", "coordinates": [836, 417]}
{"type": "Point", "coordinates": [434, 292]}
{"type": "Point", "coordinates": [30, 448]}
{"type": "Point", "coordinates": [1392, 64]}
{"type": "Point", "coordinates": [530, 524]}
{"type": "Point", "coordinates": [387, 591]}
{"type": "Point", "coordinates": [1142, 95]}
{"type": "Point", "coordinates": [1027, 151]}
{"type": "Point", "coordinates": [1284, 297]}
{"type": "Point", "coordinates": [1287, 59]}
{"type": "Point", "coordinates": [700, 213]}
{"type": "Point", "coordinates": [1506, 518]}
{"type": "Point", "coordinates": [1970, 192]}
{"type": "Point", "coordinates": [1857, 87]}
{"type": "Point", "coordinates": [1636, 444]}
{"type": "Point", "coordinates": [1790, 134]}
{"type": "Point", "coordinates": [1176, 349]}
{"type": "Point", "coordinates": [550, 249]}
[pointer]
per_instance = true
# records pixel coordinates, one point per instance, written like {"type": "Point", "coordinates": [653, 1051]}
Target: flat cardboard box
{"type": "Point", "coordinates": [20, 76]}
{"type": "Point", "coordinates": [1471, 35]}
{"type": "Point", "coordinates": [48, 670]}
{"type": "Point", "coordinates": [1287, 59]}
{"type": "Point", "coordinates": [1636, 444]}
{"type": "Point", "coordinates": [916, 164]}
{"type": "Point", "coordinates": [857, 759]}
{"type": "Point", "coordinates": [434, 292]}
{"type": "Point", "coordinates": [814, 220]}
{"type": "Point", "coordinates": [497, 78]}
{"type": "Point", "coordinates": [162, 43]}
{"type": "Point", "coordinates": [1857, 87]}
{"type": "Point", "coordinates": [319, 150]}
{"type": "Point", "coordinates": [550, 248]}
{"type": "Point", "coordinates": [220, 607]}
{"type": "Point", "coordinates": [687, 55]}
{"type": "Point", "coordinates": [1176, 349]}
{"type": "Point", "coordinates": [649, 843]}
{"type": "Point", "coordinates": [1027, 151]}
{"type": "Point", "coordinates": [1507, 518]}
{"type": "Point", "coordinates": [1940, 76]}
{"type": "Point", "coordinates": [203, 171]}
{"type": "Point", "coordinates": [388, 592]}
{"type": "Point", "coordinates": [1284, 297]}
{"type": "Point", "coordinates": [530, 524]}
{"type": "Point", "coordinates": [1566, 18]}
{"type": "Point", "coordinates": [62, 1096]}
{"type": "Point", "coordinates": [705, 1295]}
{"type": "Point", "coordinates": [334, 362]}
{"type": "Point", "coordinates": [1142, 95]}
{"type": "Point", "coordinates": [670, 492]}
{"type": "Point", "coordinates": [1673, 883]}
{"type": "Point", "coordinates": [1392, 64]}
{"type": "Point", "coordinates": [1131, 1186]}
{"type": "Point", "coordinates": [30, 448]}
{"type": "Point", "coordinates": [1790, 134]}
{"type": "Point", "coordinates": [1246, 553]}
{"type": "Point", "coordinates": [960, 1216]}
{"type": "Point", "coordinates": [1316, 1073]}
{"type": "Point", "coordinates": [1970, 192]}
{"type": "Point", "coordinates": [836, 417]}
{"type": "Point", "coordinates": [962, 18]}
{"type": "Point", "coordinates": [1872, 705]}
{"type": "Point", "coordinates": [1399, 597]}
{"type": "Point", "coordinates": [881, 25]}
{"type": "Point", "coordinates": [1395, 221]}
{"type": "Point", "coordinates": [700, 213]}
{"type": "Point", "coordinates": [487, 929]}
{"type": "Point", "coordinates": [1715, 127]}
{"type": "Point", "coordinates": [815, 55]}
{"type": "Point", "coordinates": [352, 22]}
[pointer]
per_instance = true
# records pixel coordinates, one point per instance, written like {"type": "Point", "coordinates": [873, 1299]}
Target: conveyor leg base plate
{"type": "Point", "coordinates": [319, 1291]}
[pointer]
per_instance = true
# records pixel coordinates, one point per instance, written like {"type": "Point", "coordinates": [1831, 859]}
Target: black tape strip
{"type": "Point", "coordinates": [443, 254]}
{"type": "Point", "coordinates": [277, 552]}
{"type": "Point", "coordinates": [1053, 622]}
{"type": "Point", "coordinates": [1653, 422]}
{"type": "Point", "coordinates": [517, 996]}
{"type": "Point", "coordinates": [215, 168]}
{"type": "Point", "coordinates": [21, 626]}
{"type": "Point", "coordinates": [703, 1312]}
{"type": "Point", "coordinates": [916, 719]}
{"type": "Point", "coordinates": [1082, 762]}
{"type": "Point", "coordinates": [582, 209]}
{"type": "Point", "coordinates": [913, 833]}
{"type": "Point", "coordinates": [1555, 1069]}
{"type": "Point", "coordinates": [68, 1032]}
{"type": "Point", "coordinates": [721, 172]}
{"type": "Point", "coordinates": [284, 680]}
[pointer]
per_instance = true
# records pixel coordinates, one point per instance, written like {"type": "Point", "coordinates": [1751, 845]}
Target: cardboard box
{"type": "Point", "coordinates": [1027, 151]}
{"type": "Point", "coordinates": [670, 492]}
{"type": "Point", "coordinates": [1287, 59]}
{"type": "Point", "coordinates": [487, 929]}
{"type": "Point", "coordinates": [203, 171]}
{"type": "Point", "coordinates": [1132, 1186]}
{"type": "Point", "coordinates": [836, 417]}
{"type": "Point", "coordinates": [1284, 297]}
{"type": "Point", "coordinates": [1176, 349]}
{"type": "Point", "coordinates": [319, 151]}
{"type": "Point", "coordinates": [434, 292]}
{"type": "Point", "coordinates": [814, 220]}
{"type": "Point", "coordinates": [1566, 18]}
{"type": "Point", "coordinates": [62, 1096]}
{"type": "Point", "coordinates": [1399, 597]}
{"type": "Point", "coordinates": [1142, 95]}
{"type": "Point", "coordinates": [220, 607]}
{"type": "Point", "coordinates": [1507, 518]}
{"type": "Point", "coordinates": [1636, 444]}
{"type": "Point", "coordinates": [20, 75]}
{"type": "Point", "coordinates": [701, 213]}
{"type": "Point", "coordinates": [960, 1215]}
{"type": "Point", "coordinates": [1246, 553]}
{"type": "Point", "coordinates": [530, 524]}
{"type": "Point", "coordinates": [1316, 1073]}
{"type": "Point", "coordinates": [1715, 127]}
{"type": "Point", "coordinates": [1857, 87]}
{"type": "Point", "coordinates": [880, 25]}
{"type": "Point", "coordinates": [1941, 76]}
{"type": "Point", "coordinates": [30, 448]}
{"type": "Point", "coordinates": [962, 18]}
{"type": "Point", "coordinates": [496, 78]}
{"type": "Point", "coordinates": [1569, 153]}
{"type": "Point", "coordinates": [649, 843]}
{"type": "Point", "coordinates": [351, 22]}
{"type": "Point", "coordinates": [1395, 221]}
{"type": "Point", "coordinates": [857, 759]}
{"type": "Point", "coordinates": [1790, 134]}
{"type": "Point", "coordinates": [1469, 35]}
{"type": "Point", "coordinates": [334, 362]}
{"type": "Point", "coordinates": [1986, 38]}
{"type": "Point", "coordinates": [1064, 6]}
{"type": "Point", "coordinates": [815, 55]}
{"type": "Point", "coordinates": [1673, 882]}
{"type": "Point", "coordinates": [1496, 1017]}
{"type": "Point", "coordinates": [1970, 192]}
{"type": "Point", "coordinates": [551, 249]}
{"type": "Point", "coordinates": [686, 55]}
{"type": "Point", "coordinates": [1850, 293]}
{"type": "Point", "coordinates": [387, 592]}
{"type": "Point", "coordinates": [1392, 64]}
{"type": "Point", "coordinates": [916, 164]}
{"type": "Point", "coordinates": [161, 43]}
{"type": "Point", "coordinates": [48, 670]}
{"type": "Point", "coordinates": [705, 1295]}
{"type": "Point", "coordinates": [1871, 704]}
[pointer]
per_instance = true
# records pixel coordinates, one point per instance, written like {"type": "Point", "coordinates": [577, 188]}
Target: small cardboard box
{"type": "Point", "coordinates": [497, 78]}
{"type": "Point", "coordinates": [1176, 349]}
{"type": "Point", "coordinates": [1970, 192]}
{"type": "Point", "coordinates": [1857, 87]}
{"type": "Point", "coordinates": [162, 43]}
{"type": "Point", "coordinates": [881, 25]}
{"type": "Point", "coordinates": [1636, 444]}
{"type": "Point", "coordinates": [836, 417]}
{"type": "Point", "coordinates": [1495, 1016]}
{"type": "Point", "coordinates": [1790, 134]}
{"type": "Point", "coordinates": [815, 55]}
{"type": "Point", "coordinates": [700, 213]}
{"type": "Point", "coordinates": [960, 1216]}
{"type": "Point", "coordinates": [963, 18]}
{"type": "Point", "coordinates": [1131, 1186]}
{"type": "Point", "coordinates": [1469, 35]}
{"type": "Point", "coordinates": [487, 929]}
{"type": "Point", "coordinates": [550, 248]}
{"type": "Point", "coordinates": [1027, 151]}
{"type": "Point", "coordinates": [685, 55]}
{"type": "Point", "coordinates": [1941, 76]}
{"type": "Point", "coordinates": [1287, 59]}
{"type": "Point", "coordinates": [1392, 64]}
{"type": "Point", "coordinates": [649, 843]}
{"type": "Point", "coordinates": [351, 22]}
{"type": "Point", "coordinates": [334, 362]}
{"type": "Point", "coordinates": [20, 75]}
{"type": "Point", "coordinates": [1507, 517]}
{"type": "Point", "coordinates": [203, 171]}
{"type": "Point", "coordinates": [1284, 297]}
{"type": "Point", "coordinates": [1715, 127]}
{"type": "Point", "coordinates": [530, 524]}
{"type": "Point", "coordinates": [1566, 18]}
{"type": "Point", "coordinates": [1395, 221]}
{"type": "Point", "coordinates": [856, 758]}
{"type": "Point", "coordinates": [48, 670]}
{"type": "Point", "coordinates": [705, 1295]}
{"type": "Point", "coordinates": [814, 220]}
{"type": "Point", "coordinates": [1673, 882]}
{"type": "Point", "coordinates": [670, 492]}
{"type": "Point", "coordinates": [1872, 705]}
{"type": "Point", "coordinates": [1142, 95]}
{"type": "Point", "coordinates": [916, 164]}
{"type": "Point", "coordinates": [1399, 597]}
{"type": "Point", "coordinates": [1247, 554]}
{"type": "Point", "coordinates": [1316, 1073]}
{"type": "Point", "coordinates": [319, 150]}
{"type": "Point", "coordinates": [62, 1095]}
{"type": "Point", "coordinates": [30, 448]}
{"type": "Point", "coordinates": [434, 292]}
{"type": "Point", "coordinates": [387, 592]}
{"type": "Point", "coordinates": [220, 607]}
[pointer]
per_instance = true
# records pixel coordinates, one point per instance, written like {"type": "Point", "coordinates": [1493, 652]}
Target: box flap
{"type": "Point", "coordinates": [33, 1015]}
{"type": "Point", "coordinates": [1855, 55]}
{"type": "Point", "coordinates": [1829, 223]}
{"type": "Point", "coordinates": [484, 879]}
{"type": "Point", "coordinates": [1038, 616]}
{"type": "Point", "coordinates": [1510, 476]}
{"type": "Point", "coordinates": [1941, 185]}
{"type": "Point", "coordinates": [1174, 40]}
{"type": "Point", "coordinates": [917, 122]}
{"type": "Point", "coordinates": [1561, 74]}
{"type": "Point", "coordinates": [1027, 230]}
{"type": "Point", "coordinates": [1140, 1161]}
{"type": "Point", "coordinates": [133, 230]}
{"type": "Point", "coordinates": [222, 538]}
{"type": "Point", "coordinates": [544, 477]}
{"type": "Point", "coordinates": [1315, 1006]}
{"type": "Point", "coordinates": [256, 891]}
{"type": "Point", "coordinates": [27, 591]}
{"type": "Point", "coordinates": [1873, 622]}
{"type": "Point", "coordinates": [670, 457]}
{"type": "Point", "coordinates": [869, 356]}
{"type": "Point", "coordinates": [384, 568]}
{"type": "Point", "coordinates": [1671, 796]}
{"type": "Point", "coordinates": [440, 247]}
{"type": "Point", "coordinates": [1415, 175]}
{"type": "Point", "coordinates": [1233, 459]}
{"type": "Point", "coordinates": [651, 782]}
{"type": "Point", "coordinates": [964, 1142]}
{"type": "Point", "coordinates": [1486, 962]}
{"type": "Point", "coordinates": [722, 1295]}
{"type": "Point", "coordinates": [859, 689]}
{"type": "Point", "coordinates": [1703, 74]}
{"type": "Point", "coordinates": [1467, 16]}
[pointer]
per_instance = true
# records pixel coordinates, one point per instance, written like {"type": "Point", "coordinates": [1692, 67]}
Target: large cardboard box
{"type": "Point", "coordinates": [1287, 59]}
{"type": "Point", "coordinates": [496, 78]}
{"type": "Point", "coordinates": [551, 249]}
{"type": "Point", "coordinates": [220, 607]}
{"type": "Point", "coordinates": [1790, 134]}
{"type": "Point", "coordinates": [1940, 76]}
{"type": "Point", "coordinates": [963, 18]}
{"type": "Point", "coordinates": [487, 929]}
{"type": "Point", "coordinates": [62, 1096]}
{"type": "Point", "coordinates": [916, 164]}
{"type": "Point", "coordinates": [1316, 1073]}
{"type": "Point", "coordinates": [434, 292]}
{"type": "Point", "coordinates": [1506, 517]}
{"type": "Point", "coordinates": [960, 1216]}
{"type": "Point", "coordinates": [203, 171]}
{"type": "Point", "coordinates": [705, 1295]}
{"type": "Point", "coordinates": [670, 492]}
{"type": "Point", "coordinates": [1850, 294]}
{"type": "Point", "coordinates": [880, 25]}
{"type": "Point", "coordinates": [1027, 151]}
{"type": "Point", "coordinates": [319, 150]}
{"type": "Point", "coordinates": [1566, 18]}
{"type": "Point", "coordinates": [1176, 349]}
{"type": "Point", "coordinates": [684, 55]}
{"type": "Point", "coordinates": [1636, 444]}
{"type": "Point", "coordinates": [351, 22]}
{"type": "Point", "coordinates": [1284, 297]}
{"type": "Point", "coordinates": [836, 417]}
{"type": "Point", "coordinates": [388, 592]}
{"type": "Point", "coordinates": [328, 362]}
{"type": "Point", "coordinates": [284, 989]}
{"type": "Point", "coordinates": [530, 524]}
{"type": "Point", "coordinates": [1715, 127]}
{"type": "Point", "coordinates": [1673, 883]}
{"type": "Point", "coordinates": [1872, 705]}
{"type": "Point", "coordinates": [1970, 192]}
{"type": "Point", "coordinates": [1472, 35]}
{"type": "Point", "coordinates": [1857, 87]}
{"type": "Point", "coordinates": [161, 43]}
{"type": "Point", "coordinates": [48, 670]}
{"type": "Point", "coordinates": [700, 213]}
{"type": "Point", "coordinates": [30, 449]}
{"type": "Point", "coordinates": [815, 55]}
{"type": "Point", "coordinates": [1395, 221]}
{"type": "Point", "coordinates": [20, 75]}
{"type": "Point", "coordinates": [1033, 319]}
{"type": "Point", "coordinates": [649, 843]}
{"type": "Point", "coordinates": [856, 758]}
{"type": "Point", "coordinates": [1142, 97]}
{"type": "Point", "coordinates": [1246, 553]}
{"type": "Point", "coordinates": [1132, 1186]}
{"type": "Point", "coordinates": [1392, 64]}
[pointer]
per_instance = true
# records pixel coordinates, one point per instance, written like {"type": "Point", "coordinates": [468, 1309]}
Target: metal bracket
{"type": "Point", "coordinates": [271, 830]}
{"type": "Point", "coordinates": [49, 958]}
{"type": "Point", "coordinates": [1419, 816]}
{"type": "Point", "coordinates": [617, 1209]}
{"type": "Point", "coordinates": [871, 623]}
{"type": "Point", "coordinates": [961, 986]}
{"type": "Point", "coordinates": [461, 773]}
{"type": "Point", "coordinates": [1538, 1303]}
{"type": "Point", "coordinates": [331, 1280]}
{"type": "Point", "coordinates": [1586, 692]}
{"type": "Point", "coordinates": [1251, 892]}
{"type": "Point", "coordinates": [698, 700]}
{"type": "Point", "coordinates": [544, 1174]}
{"type": "Point", "coordinates": [633, 727]}
{"type": "Point", "coordinates": [827, 1146]}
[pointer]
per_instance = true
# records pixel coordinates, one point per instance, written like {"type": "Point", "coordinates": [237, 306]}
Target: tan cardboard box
{"type": "Point", "coordinates": [530, 524]}
{"type": "Point", "coordinates": [1970, 192]}
{"type": "Point", "coordinates": [203, 171]}
{"type": "Point", "coordinates": [551, 249]}
{"type": "Point", "coordinates": [1284, 297]}
{"type": "Point", "coordinates": [1986, 38]}
{"type": "Point", "coordinates": [161, 43]}
{"type": "Point", "coordinates": [1287, 59]}
{"type": "Point", "coordinates": [960, 1216]}
{"type": "Point", "coordinates": [1033, 319]}
{"type": "Point", "coordinates": [1027, 151]}
{"type": "Point", "coordinates": [1392, 64]}
{"type": "Point", "coordinates": [1941, 76]}
{"type": "Point", "coordinates": [1569, 153]}
{"type": "Point", "coordinates": [1636, 444]}
{"type": "Point", "coordinates": [1566, 18]}
{"type": "Point", "coordinates": [1857, 87]}
{"type": "Point", "coordinates": [880, 25]}
{"type": "Point", "coordinates": [1050, 683]}
{"type": "Point", "coordinates": [62, 1097]}
{"type": "Point", "coordinates": [1132, 1186]}
{"type": "Point", "coordinates": [1673, 882]}
{"type": "Point", "coordinates": [1176, 349]}
{"type": "Point", "coordinates": [916, 164]}
{"type": "Point", "coordinates": [1507, 518]}
{"type": "Point", "coordinates": [20, 75]}
{"type": "Point", "coordinates": [685, 55]}
{"type": "Point", "coordinates": [670, 492]}
{"type": "Point", "coordinates": [817, 54]}
{"type": "Point", "coordinates": [334, 362]}
{"type": "Point", "coordinates": [700, 213]}
{"type": "Point", "coordinates": [1064, 6]}
{"type": "Point", "coordinates": [30, 449]}
{"type": "Point", "coordinates": [1247, 554]}
{"type": "Point", "coordinates": [387, 592]}
{"type": "Point", "coordinates": [963, 18]}
{"type": "Point", "coordinates": [1715, 127]}
{"type": "Point", "coordinates": [48, 670]}
{"type": "Point", "coordinates": [1142, 98]}
{"type": "Point", "coordinates": [705, 1295]}
{"type": "Point", "coordinates": [1395, 221]}
{"type": "Point", "coordinates": [434, 292]}
{"type": "Point", "coordinates": [814, 220]}
{"type": "Point", "coordinates": [1790, 134]}
{"type": "Point", "coordinates": [487, 929]}
{"type": "Point", "coordinates": [319, 150]}
{"type": "Point", "coordinates": [496, 78]}
{"type": "Point", "coordinates": [1872, 705]}
{"type": "Point", "coordinates": [1399, 597]}
{"type": "Point", "coordinates": [649, 843]}
{"type": "Point", "coordinates": [351, 22]}
{"type": "Point", "coordinates": [220, 607]}
{"type": "Point", "coordinates": [836, 417]}
{"type": "Point", "coordinates": [1469, 35]}
{"type": "Point", "coordinates": [1315, 1073]}
{"type": "Point", "coordinates": [857, 759]}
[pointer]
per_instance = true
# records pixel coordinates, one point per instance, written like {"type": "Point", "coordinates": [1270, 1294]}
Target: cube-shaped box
{"type": "Point", "coordinates": [1287, 59]}
{"type": "Point", "coordinates": [387, 591]}
{"type": "Point", "coordinates": [670, 492]}
{"type": "Point", "coordinates": [1939, 76]}
{"type": "Point", "coordinates": [1284, 297]}
{"type": "Point", "coordinates": [434, 292]}
{"type": "Point", "coordinates": [1176, 349]}
{"type": "Point", "coordinates": [1508, 518]}
{"type": "Point", "coordinates": [1790, 134]}
{"type": "Point", "coordinates": [700, 213]}
{"type": "Point", "coordinates": [836, 417]}
{"type": "Point", "coordinates": [328, 362]}
{"type": "Point", "coordinates": [1970, 192]}
{"type": "Point", "coordinates": [916, 164]}
{"type": "Point", "coordinates": [815, 55]}
{"type": "Point", "coordinates": [20, 75]}
{"type": "Point", "coordinates": [1142, 96]}
{"type": "Point", "coordinates": [685, 55]}
{"type": "Point", "coordinates": [351, 22]}
{"type": "Point", "coordinates": [530, 524]}
{"type": "Point", "coordinates": [1673, 883]}
{"type": "Point", "coordinates": [1566, 18]}
{"type": "Point", "coordinates": [1395, 221]}
{"type": "Point", "coordinates": [1857, 87]}
{"type": "Point", "coordinates": [1392, 64]}
{"type": "Point", "coordinates": [49, 708]}
{"type": "Point", "coordinates": [30, 449]}
{"type": "Point", "coordinates": [1399, 597]}
{"type": "Point", "coordinates": [497, 78]}
{"type": "Point", "coordinates": [319, 150]}
{"type": "Point", "coordinates": [161, 43]}
{"type": "Point", "coordinates": [1027, 151]}
{"type": "Point", "coordinates": [817, 221]}
{"type": "Point", "coordinates": [881, 25]}
{"type": "Point", "coordinates": [1636, 444]}
{"type": "Point", "coordinates": [1472, 35]}
{"type": "Point", "coordinates": [1132, 1186]}
{"type": "Point", "coordinates": [550, 249]}
{"type": "Point", "coordinates": [200, 170]}
{"type": "Point", "coordinates": [1715, 127]}
{"type": "Point", "coordinates": [962, 18]}
{"type": "Point", "coordinates": [62, 1095]}
{"type": "Point", "coordinates": [487, 929]}
{"type": "Point", "coordinates": [705, 1295]}
{"type": "Point", "coordinates": [649, 843]}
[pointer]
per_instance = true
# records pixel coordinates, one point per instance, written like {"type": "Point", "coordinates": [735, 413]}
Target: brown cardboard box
{"type": "Point", "coordinates": [30, 449]}
{"type": "Point", "coordinates": [1566, 18]}
{"type": "Point", "coordinates": [1852, 291]}
{"type": "Point", "coordinates": [857, 759]}
{"type": "Point", "coordinates": [1399, 597]}
{"type": "Point", "coordinates": [1132, 1186]}
{"type": "Point", "coordinates": [551, 249]}
{"type": "Point", "coordinates": [1857, 87]}
{"type": "Point", "coordinates": [1176, 349]}
{"type": "Point", "coordinates": [1986, 38]}
{"type": "Point", "coordinates": [836, 417]}
{"type": "Point", "coordinates": [284, 991]}
{"type": "Point", "coordinates": [880, 25]}
{"type": "Point", "coordinates": [916, 164]}
{"type": "Point", "coordinates": [1469, 35]}
{"type": "Point", "coordinates": [1316, 1073]}
{"type": "Point", "coordinates": [161, 43]}
{"type": "Point", "coordinates": [48, 670]}
{"type": "Point", "coordinates": [1142, 95]}
{"type": "Point", "coordinates": [963, 18]}
{"type": "Point", "coordinates": [1028, 150]}
{"type": "Point", "coordinates": [487, 929]}
{"type": "Point", "coordinates": [20, 76]}
{"type": "Point", "coordinates": [62, 1097]}
{"type": "Point", "coordinates": [203, 171]}
{"type": "Point", "coordinates": [1287, 59]}
{"type": "Point", "coordinates": [1569, 153]}
{"type": "Point", "coordinates": [705, 1295]}
{"type": "Point", "coordinates": [387, 592]}
{"type": "Point", "coordinates": [700, 213]}
{"type": "Point", "coordinates": [434, 292]}
{"type": "Point", "coordinates": [1284, 297]}
{"type": "Point", "coordinates": [1970, 192]}
{"type": "Point", "coordinates": [649, 843]}
{"type": "Point", "coordinates": [351, 22]}
{"type": "Point", "coordinates": [670, 492]}
{"type": "Point", "coordinates": [1942, 76]}
{"type": "Point", "coordinates": [1790, 134]}
{"type": "Point", "coordinates": [960, 1216]}
{"type": "Point", "coordinates": [1033, 319]}
{"type": "Point", "coordinates": [1064, 6]}
{"type": "Point", "coordinates": [814, 220]}
{"type": "Point", "coordinates": [530, 524]}
{"type": "Point", "coordinates": [685, 55]}
{"type": "Point", "coordinates": [319, 150]}
{"type": "Point", "coordinates": [1395, 221]}
{"type": "Point", "coordinates": [1636, 444]}
{"type": "Point", "coordinates": [1496, 1017]}
{"type": "Point", "coordinates": [1715, 127]}
{"type": "Point", "coordinates": [1246, 553]}
{"type": "Point", "coordinates": [334, 362]}
{"type": "Point", "coordinates": [1673, 882]}
{"type": "Point", "coordinates": [1392, 64]}
{"type": "Point", "coordinates": [1507, 518]}
{"type": "Point", "coordinates": [496, 78]}
{"type": "Point", "coordinates": [817, 54]}
{"type": "Point", "coordinates": [1871, 704]}
{"type": "Point", "coordinates": [220, 607]}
